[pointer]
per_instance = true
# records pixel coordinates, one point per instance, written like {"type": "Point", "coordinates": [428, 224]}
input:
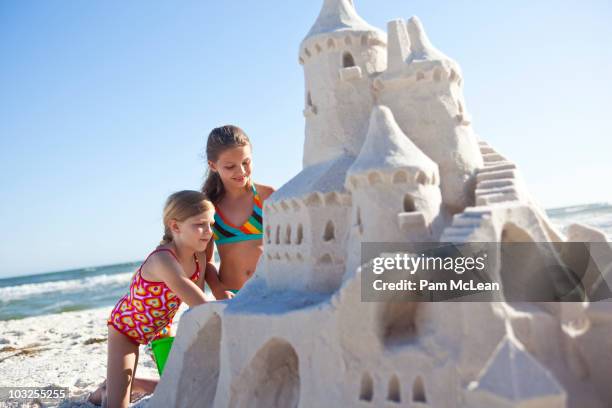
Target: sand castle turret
{"type": "Point", "coordinates": [394, 187]}
{"type": "Point", "coordinates": [423, 88]}
{"type": "Point", "coordinates": [391, 177]}
{"type": "Point", "coordinates": [339, 54]}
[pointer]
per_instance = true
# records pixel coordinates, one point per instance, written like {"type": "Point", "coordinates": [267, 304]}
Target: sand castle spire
{"type": "Point", "coordinates": [338, 15]}
{"type": "Point", "coordinates": [421, 47]}
{"type": "Point", "coordinates": [386, 147]}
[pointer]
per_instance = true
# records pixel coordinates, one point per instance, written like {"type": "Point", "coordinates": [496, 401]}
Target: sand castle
{"type": "Point", "coordinates": [389, 155]}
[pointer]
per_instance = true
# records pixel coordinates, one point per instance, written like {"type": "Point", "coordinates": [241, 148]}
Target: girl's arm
{"type": "Point", "coordinates": [170, 271]}
{"type": "Point", "coordinates": [211, 275]}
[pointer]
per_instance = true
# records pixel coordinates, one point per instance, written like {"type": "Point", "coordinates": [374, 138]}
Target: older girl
{"type": "Point", "coordinates": [238, 202]}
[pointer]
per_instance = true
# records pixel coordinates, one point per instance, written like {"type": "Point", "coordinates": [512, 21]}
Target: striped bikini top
{"type": "Point", "coordinates": [224, 232]}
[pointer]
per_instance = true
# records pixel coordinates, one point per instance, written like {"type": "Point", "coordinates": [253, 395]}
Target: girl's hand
{"type": "Point", "coordinates": [221, 294]}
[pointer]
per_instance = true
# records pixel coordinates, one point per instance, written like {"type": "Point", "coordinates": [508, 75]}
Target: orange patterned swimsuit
{"type": "Point", "coordinates": [148, 308]}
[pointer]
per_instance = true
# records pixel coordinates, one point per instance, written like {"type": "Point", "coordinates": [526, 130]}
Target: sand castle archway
{"type": "Point", "coordinates": [399, 323]}
{"type": "Point", "coordinates": [272, 378]}
{"type": "Point", "coordinates": [200, 373]}
{"type": "Point", "coordinates": [523, 271]}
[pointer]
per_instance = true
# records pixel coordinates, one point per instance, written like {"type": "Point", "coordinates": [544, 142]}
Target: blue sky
{"type": "Point", "coordinates": [105, 106]}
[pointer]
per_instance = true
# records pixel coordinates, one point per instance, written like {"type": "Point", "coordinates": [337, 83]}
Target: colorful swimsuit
{"type": "Point", "coordinates": [148, 308]}
{"type": "Point", "coordinates": [225, 232]}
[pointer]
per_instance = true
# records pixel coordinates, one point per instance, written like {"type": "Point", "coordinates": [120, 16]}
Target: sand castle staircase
{"type": "Point", "coordinates": [466, 224]}
{"type": "Point", "coordinates": [498, 182]}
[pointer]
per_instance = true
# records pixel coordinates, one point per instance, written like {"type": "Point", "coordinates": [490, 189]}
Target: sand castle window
{"type": "Point", "coordinates": [300, 234]}
{"type": "Point", "coordinates": [329, 233]}
{"type": "Point", "coordinates": [331, 43]}
{"type": "Point", "coordinates": [460, 106]}
{"type": "Point", "coordinates": [400, 177]}
{"type": "Point", "coordinates": [277, 235]}
{"type": "Point", "coordinates": [421, 178]}
{"type": "Point", "coordinates": [268, 235]}
{"type": "Point", "coordinates": [307, 52]}
{"type": "Point", "coordinates": [309, 99]}
{"type": "Point", "coordinates": [409, 203]}
{"type": "Point", "coordinates": [420, 76]}
{"type": "Point", "coordinates": [366, 392]}
{"type": "Point", "coordinates": [325, 260]}
{"type": "Point", "coordinates": [453, 75]}
{"type": "Point", "coordinates": [348, 60]}
{"type": "Point", "coordinates": [347, 40]}
{"type": "Point", "coordinates": [358, 221]}
{"type": "Point", "coordinates": [288, 234]}
{"type": "Point", "coordinates": [418, 390]}
{"type": "Point", "coordinates": [394, 393]}
{"type": "Point", "coordinates": [318, 48]}
{"type": "Point", "coordinates": [437, 75]}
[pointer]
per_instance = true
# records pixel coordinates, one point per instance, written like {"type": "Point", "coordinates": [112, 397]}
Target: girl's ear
{"type": "Point", "coordinates": [174, 227]}
{"type": "Point", "coordinates": [212, 166]}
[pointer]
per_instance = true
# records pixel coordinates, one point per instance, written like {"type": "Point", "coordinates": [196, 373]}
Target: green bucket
{"type": "Point", "coordinates": [161, 350]}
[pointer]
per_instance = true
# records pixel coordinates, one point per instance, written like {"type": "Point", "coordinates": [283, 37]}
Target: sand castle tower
{"type": "Point", "coordinates": [423, 88]}
{"type": "Point", "coordinates": [390, 156]}
{"type": "Point", "coordinates": [339, 54]}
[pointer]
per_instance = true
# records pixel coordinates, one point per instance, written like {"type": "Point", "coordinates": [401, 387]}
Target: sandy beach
{"type": "Point", "coordinates": [65, 350]}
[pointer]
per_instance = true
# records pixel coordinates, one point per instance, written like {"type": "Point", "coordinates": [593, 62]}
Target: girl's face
{"type": "Point", "coordinates": [234, 166]}
{"type": "Point", "coordinates": [195, 232]}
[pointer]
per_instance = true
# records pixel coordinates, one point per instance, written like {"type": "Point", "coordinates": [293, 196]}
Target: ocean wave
{"type": "Point", "coordinates": [577, 209]}
{"type": "Point", "coordinates": [99, 282]}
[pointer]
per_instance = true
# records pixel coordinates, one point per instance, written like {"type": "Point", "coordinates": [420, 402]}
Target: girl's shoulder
{"type": "Point", "coordinates": [264, 191]}
{"type": "Point", "coordinates": [159, 261]}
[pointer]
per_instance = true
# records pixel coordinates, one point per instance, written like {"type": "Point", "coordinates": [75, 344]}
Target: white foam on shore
{"type": "Point", "coordinates": [18, 292]}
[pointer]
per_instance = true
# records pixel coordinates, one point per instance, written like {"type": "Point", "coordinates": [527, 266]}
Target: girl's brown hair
{"type": "Point", "coordinates": [219, 140]}
{"type": "Point", "coordinates": [182, 205]}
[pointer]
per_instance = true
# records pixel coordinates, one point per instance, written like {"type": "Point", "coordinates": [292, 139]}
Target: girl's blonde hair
{"type": "Point", "coordinates": [219, 140]}
{"type": "Point", "coordinates": [182, 205]}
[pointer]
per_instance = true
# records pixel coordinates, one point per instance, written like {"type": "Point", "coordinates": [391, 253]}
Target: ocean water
{"type": "Point", "coordinates": [88, 288]}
